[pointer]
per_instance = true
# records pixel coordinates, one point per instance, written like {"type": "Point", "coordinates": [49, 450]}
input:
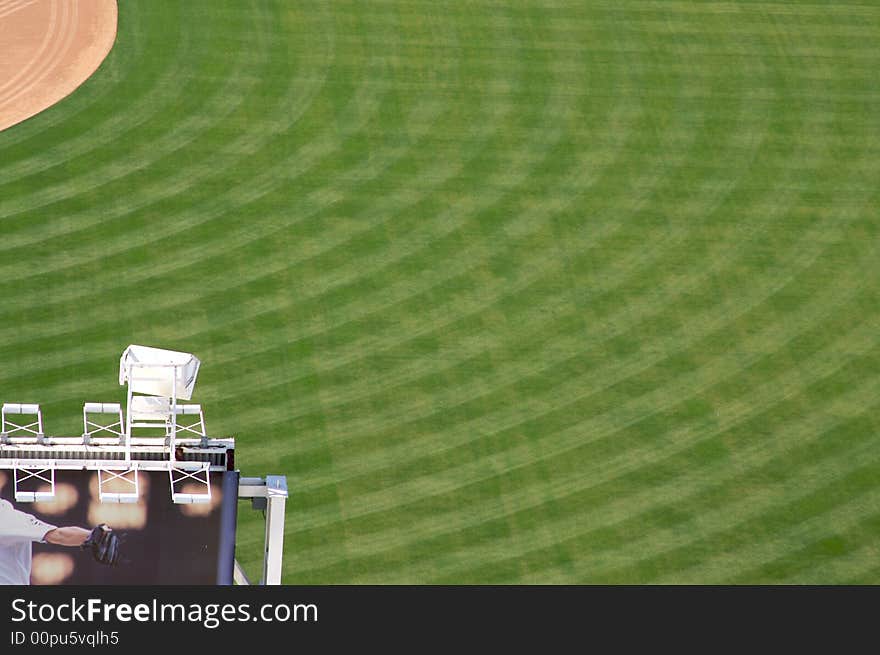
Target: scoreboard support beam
{"type": "Point", "coordinates": [269, 494]}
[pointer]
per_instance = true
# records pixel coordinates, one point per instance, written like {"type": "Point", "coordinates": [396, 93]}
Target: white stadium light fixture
{"type": "Point", "coordinates": [163, 377]}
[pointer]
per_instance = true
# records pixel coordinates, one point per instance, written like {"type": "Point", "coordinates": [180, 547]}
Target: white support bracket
{"type": "Point", "coordinates": [199, 475]}
{"type": "Point", "coordinates": [126, 479]}
{"type": "Point", "coordinates": [269, 494]}
{"type": "Point", "coordinates": [23, 473]}
{"type": "Point", "coordinates": [196, 425]}
{"type": "Point", "coordinates": [9, 427]}
{"type": "Point", "coordinates": [276, 493]}
{"type": "Point", "coordinates": [91, 427]}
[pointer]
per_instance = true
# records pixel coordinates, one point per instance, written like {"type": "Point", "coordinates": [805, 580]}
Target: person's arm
{"type": "Point", "coordinates": [70, 536]}
{"type": "Point", "coordinates": [18, 526]}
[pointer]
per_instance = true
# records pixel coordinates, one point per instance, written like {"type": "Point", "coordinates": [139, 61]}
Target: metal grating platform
{"type": "Point", "coordinates": [71, 453]}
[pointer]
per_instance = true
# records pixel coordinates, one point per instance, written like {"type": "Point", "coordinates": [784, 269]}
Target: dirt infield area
{"type": "Point", "coordinates": [47, 49]}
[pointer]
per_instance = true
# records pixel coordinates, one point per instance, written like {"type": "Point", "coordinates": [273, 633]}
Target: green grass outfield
{"type": "Point", "coordinates": [512, 292]}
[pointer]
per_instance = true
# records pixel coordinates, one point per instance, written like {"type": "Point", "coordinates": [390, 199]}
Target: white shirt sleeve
{"type": "Point", "coordinates": [19, 526]}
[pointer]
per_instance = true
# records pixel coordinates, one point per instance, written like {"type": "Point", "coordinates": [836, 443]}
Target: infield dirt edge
{"type": "Point", "coordinates": [55, 47]}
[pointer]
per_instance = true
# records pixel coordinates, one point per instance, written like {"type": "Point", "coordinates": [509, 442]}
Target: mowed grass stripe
{"type": "Point", "coordinates": [177, 230]}
{"type": "Point", "coordinates": [734, 302]}
{"type": "Point", "coordinates": [833, 506]}
{"type": "Point", "coordinates": [524, 452]}
{"type": "Point", "coordinates": [550, 526]}
{"type": "Point", "coordinates": [580, 475]}
{"type": "Point", "coordinates": [423, 461]}
{"type": "Point", "coordinates": [185, 259]}
{"type": "Point", "coordinates": [636, 548]}
{"type": "Point", "coordinates": [166, 136]}
{"type": "Point", "coordinates": [841, 557]}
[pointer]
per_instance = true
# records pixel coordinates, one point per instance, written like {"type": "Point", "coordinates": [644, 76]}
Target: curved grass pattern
{"type": "Point", "coordinates": [514, 292]}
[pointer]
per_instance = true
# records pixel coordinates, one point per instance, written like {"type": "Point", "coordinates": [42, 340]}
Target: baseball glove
{"type": "Point", "coordinates": [104, 545]}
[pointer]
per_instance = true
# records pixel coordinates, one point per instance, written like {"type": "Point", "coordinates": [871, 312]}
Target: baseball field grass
{"type": "Point", "coordinates": [512, 292]}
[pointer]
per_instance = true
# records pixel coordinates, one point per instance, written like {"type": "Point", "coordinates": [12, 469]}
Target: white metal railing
{"type": "Point", "coordinates": [91, 427]}
{"type": "Point", "coordinates": [9, 427]}
{"type": "Point", "coordinates": [198, 476]}
{"type": "Point", "coordinates": [34, 474]}
{"type": "Point", "coordinates": [124, 479]}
